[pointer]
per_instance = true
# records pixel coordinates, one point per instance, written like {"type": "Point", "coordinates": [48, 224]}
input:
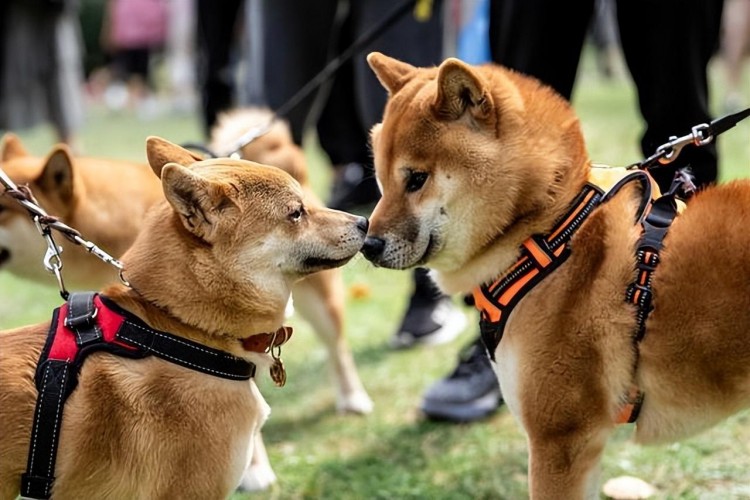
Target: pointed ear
{"type": "Point", "coordinates": [160, 152]}
{"type": "Point", "coordinates": [461, 89]}
{"type": "Point", "coordinates": [11, 147]}
{"type": "Point", "coordinates": [56, 179]}
{"type": "Point", "coordinates": [392, 73]}
{"type": "Point", "coordinates": [198, 201]}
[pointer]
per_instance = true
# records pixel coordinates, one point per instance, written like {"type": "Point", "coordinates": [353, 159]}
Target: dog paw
{"type": "Point", "coordinates": [357, 402]}
{"type": "Point", "coordinates": [257, 478]}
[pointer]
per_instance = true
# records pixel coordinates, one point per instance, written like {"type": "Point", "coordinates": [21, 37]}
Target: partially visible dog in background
{"type": "Point", "coordinates": [104, 199]}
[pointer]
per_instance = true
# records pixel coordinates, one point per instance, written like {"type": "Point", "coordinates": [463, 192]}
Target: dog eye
{"type": "Point", "coordinates": [415, 181]}
{"type": "Point", "coordinates": [297, 214]}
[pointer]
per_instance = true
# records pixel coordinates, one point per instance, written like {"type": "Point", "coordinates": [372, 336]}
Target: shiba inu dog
{"type": "Point", "coordinates": [107, 199]}
{"type": "Point", "coordinates": [478, 166]}
{"type": "Point", "coordinates": [213, 266]}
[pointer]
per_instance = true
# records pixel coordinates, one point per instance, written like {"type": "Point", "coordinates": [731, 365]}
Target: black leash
{"type": "Point", "coordinates": [326, 73]}
{"type": "Point", "coordinates": [700, 135]}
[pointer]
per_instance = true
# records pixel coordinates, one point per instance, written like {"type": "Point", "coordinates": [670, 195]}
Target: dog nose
{"type": "Point", "coordinates": [373, 247]}
{"type": "Point", "coordinates": [363, 224]}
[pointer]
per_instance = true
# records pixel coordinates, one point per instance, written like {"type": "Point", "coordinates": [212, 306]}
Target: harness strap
{"type": "Point", "coordinates": [656, 220]}
{"type": "Point", "coordinates": [540, 255]}
{"type": "Point", "coordinates": [88, 323]}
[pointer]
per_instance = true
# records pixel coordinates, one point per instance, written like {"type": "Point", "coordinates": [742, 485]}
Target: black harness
{"type": "Point", "coordinates": [90, 323]}
{"type": "Point", "coordinates": [542, 254]}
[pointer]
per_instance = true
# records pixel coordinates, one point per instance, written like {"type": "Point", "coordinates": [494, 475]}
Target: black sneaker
{"type": "Point", "coordinates": [354, 188]}
{"type": "Point", "coordinates": [470, 393]}
{"type": "Point", "coordinates": [431, 317]}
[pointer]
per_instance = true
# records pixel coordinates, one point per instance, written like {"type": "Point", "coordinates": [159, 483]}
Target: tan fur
{"type": "Point", "coordinates": [504, 157]}
{"type": "Point", "coordinates": [215, 263]}
{"type": "Point", "coordinates": [319, 298]}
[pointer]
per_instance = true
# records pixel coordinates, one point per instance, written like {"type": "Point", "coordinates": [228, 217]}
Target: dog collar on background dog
{"type": "Point", "coordinates": [540, 255]}
{"type": "Point", "coordinates": [90, 323]}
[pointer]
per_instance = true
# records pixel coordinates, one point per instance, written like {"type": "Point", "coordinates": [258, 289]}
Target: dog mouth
{"type": "Point", "coordinates": [315, 264]}
{"type": "Point", "coordinates": [428, 251]}
{"type": "Point", "coordinates": [4, 256]}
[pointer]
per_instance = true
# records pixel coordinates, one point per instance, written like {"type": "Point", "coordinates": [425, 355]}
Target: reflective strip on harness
{"type": "Point", "coordinates": [540, 255]}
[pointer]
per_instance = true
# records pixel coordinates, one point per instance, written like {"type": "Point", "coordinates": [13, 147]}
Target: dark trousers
{"type": "Point", "coordinates": [666, 43]}
{"type": "Point", "coordinates": [300, 37]}
{"type": "Point", "coordinates": [216, 35]}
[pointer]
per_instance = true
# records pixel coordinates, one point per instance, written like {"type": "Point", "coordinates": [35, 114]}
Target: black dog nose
{"type": "Point", "coordinates": [373, 247]}
{"type": "Point", "coordinates": [363, 224]}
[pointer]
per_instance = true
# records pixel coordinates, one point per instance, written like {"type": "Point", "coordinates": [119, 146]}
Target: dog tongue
{"type": "Point", "coordinates": [263, 342]}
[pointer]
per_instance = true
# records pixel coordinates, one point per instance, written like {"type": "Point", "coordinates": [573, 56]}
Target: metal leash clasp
{"type": "Point", "coordinates": [669, 151]}
{"type": "Point", "coordinates": [52, 259]}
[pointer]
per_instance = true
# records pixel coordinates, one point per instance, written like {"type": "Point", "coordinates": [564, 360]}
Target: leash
{"type": "Point", "coordinates": [700, 135]}
{"type": "Point", "coordinates": [422, 11]}
{"type": "Point", "coordinates": [45, 224]}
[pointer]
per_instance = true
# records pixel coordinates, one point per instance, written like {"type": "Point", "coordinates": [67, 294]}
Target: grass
{"type": "Point", "coordinates": [394, 452]}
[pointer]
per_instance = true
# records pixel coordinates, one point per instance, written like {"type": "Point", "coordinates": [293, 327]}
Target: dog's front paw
{"type": "Point", "coordinates": [357, 402]}
{"type": "Point", "coordinates": [257, 477]}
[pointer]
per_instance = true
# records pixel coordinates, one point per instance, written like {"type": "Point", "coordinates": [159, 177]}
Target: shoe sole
{"type": "Point", "coordinates": [454, 325]}
{"type": "Point", "coordinates": [480, 408]}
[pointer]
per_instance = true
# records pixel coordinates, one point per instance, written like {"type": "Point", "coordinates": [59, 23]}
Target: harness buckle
{"type": "Point", "coordinates": [84, 319]}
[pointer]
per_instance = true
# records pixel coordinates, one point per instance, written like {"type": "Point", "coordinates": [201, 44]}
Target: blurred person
{"type": "Point", "coordinates": [345, 109]}
{"type": "Point", "coordinates": [667, 46]}
{"type": "Point", "coordinates": [41, 72]}
{"type": "Point", "coordinates": [217, 34]}
{"type": "Point", "coordinates": [735, 44]}
{"type": "Point", "coordinates": [180, 54]}
{"type": "Point", "coordinates": [133, 31]}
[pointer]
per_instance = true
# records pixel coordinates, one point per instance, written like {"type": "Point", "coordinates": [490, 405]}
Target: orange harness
{"type": "Point", "coordinates": [540, 255]}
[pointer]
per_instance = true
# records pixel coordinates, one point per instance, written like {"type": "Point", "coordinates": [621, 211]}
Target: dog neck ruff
{"type": "Point", "coordinates": [90, 323]}
{"type": "Point", "coordinates": [540, 255]}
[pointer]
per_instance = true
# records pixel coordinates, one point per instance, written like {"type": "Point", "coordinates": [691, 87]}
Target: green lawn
{"type": "Point", "coordinates": [394, 452]}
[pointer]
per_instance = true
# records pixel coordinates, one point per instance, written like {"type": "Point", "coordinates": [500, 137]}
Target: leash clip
{"type": "Point", "coordinates": [668, 152]}
{"type": "Point", "coordinates": [52, 259]}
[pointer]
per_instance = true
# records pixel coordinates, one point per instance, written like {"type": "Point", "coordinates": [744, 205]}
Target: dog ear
{"type": "Point", "coordinates": [160, 152]}
{"type": "Point", "coordinates": [392, 73]}
{"type": "Point", "coordinates": [56, 179]}
{"type": "Point", "coordinates": [196, 199]}
{"type": "Point", "coordinates": [11, 147]}
{"type": "Point", "coordinates": [460, 89]}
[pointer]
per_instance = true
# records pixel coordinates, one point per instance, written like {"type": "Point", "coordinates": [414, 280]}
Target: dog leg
{"type": "Point", "coordinates": [319, 298]}
{"type": "Point", "coordinates": [259, 475]}
{"type": "Point", "coordinates": [565, 467]}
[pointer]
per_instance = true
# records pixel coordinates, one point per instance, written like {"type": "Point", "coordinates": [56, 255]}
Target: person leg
{"type": "Point", "coordinates": [527, 36]}
{"type": "Point", "coordinates": [296, 44]}
{"type": "Point", "coordinates": [216, 22]}
{"type": "Point", "coordinates": [667, 46]}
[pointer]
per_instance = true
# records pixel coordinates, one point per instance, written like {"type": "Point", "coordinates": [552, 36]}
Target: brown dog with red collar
{"type": "Point", "coordinates": [214, 264]}
{"type": "Point", "coordinates": [473, 162]}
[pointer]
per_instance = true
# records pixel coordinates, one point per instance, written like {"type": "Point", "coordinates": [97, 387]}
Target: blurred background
{"type": "Point", "coordinates": [102, 75]}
